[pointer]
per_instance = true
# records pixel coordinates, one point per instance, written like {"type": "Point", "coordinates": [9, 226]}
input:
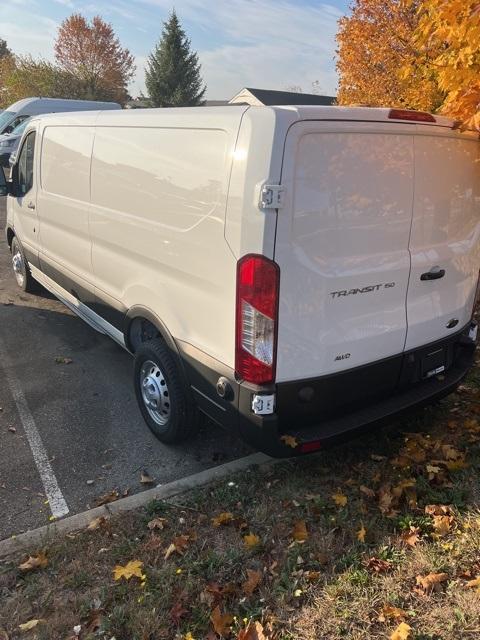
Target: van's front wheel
{"type": "Point", "coordinates": [162, 393]}
{"type": "Point", "coordinates": [21, 270]}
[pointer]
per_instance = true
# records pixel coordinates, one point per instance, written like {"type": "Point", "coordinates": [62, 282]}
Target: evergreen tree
{"type": "Point", "coordinates": [4, 50]}
{"type": "Point", "coordinates": [172, 76]}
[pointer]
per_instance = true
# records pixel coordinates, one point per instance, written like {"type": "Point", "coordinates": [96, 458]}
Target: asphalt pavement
{"type": "Point", "coordinates": [88, 435]}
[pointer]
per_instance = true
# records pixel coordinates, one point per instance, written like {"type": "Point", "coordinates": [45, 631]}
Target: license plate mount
{"type": "Point", "coordinates": [433, 363]}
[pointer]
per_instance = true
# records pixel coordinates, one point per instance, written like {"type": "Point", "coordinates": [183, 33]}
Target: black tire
{"type": "Point", "coordinates": [181, 417]}
{"type": "Point", "coordinates": [23, 277]}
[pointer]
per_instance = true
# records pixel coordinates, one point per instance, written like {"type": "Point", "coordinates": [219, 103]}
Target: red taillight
{"type": "Point", "coordinates": [477, 294]}
{"type": "Point", "coordinates": [256, 323]}
{"type": "Point", "coordinates": [411, 116]}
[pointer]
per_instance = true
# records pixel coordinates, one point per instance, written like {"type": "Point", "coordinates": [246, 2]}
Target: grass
{"type": "Point", "coordinates": [336, 584]}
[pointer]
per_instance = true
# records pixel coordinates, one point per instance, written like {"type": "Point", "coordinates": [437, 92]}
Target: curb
{"type": "Point", "coordinates": [44, 535]}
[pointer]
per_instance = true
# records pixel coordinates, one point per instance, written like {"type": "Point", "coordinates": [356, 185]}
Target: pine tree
{"type": "Point", "coordinates": [172, 76]}
{"type": "Point", "coordinates": [4, 50]}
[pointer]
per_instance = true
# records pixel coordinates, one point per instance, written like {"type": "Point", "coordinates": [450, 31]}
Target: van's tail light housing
{"type": "Point", "coordinates": [477, 295]}
{"type": "Point", "coordinates": [258, 280]}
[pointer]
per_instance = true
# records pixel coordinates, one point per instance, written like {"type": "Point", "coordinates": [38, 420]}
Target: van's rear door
{"type": "Point", "coordinates": [444, 242]}
{"type": "Point", "coordinates": [343, 248]}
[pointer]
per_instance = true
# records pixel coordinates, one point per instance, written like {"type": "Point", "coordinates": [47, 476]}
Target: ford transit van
{"type": "Point", "coordinates": [295, 273]}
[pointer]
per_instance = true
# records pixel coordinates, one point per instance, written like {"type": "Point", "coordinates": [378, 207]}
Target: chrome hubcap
{"type": "Point", "coordinates": [18, 267]}
{"type": "Point", "coordinates": [155, 394]}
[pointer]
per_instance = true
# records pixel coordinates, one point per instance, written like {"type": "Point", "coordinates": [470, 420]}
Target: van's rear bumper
{"type": "Point", "coordinates": [323, 410]}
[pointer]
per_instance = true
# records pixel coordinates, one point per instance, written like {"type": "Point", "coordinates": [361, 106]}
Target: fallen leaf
{"type": "Point", "coordinates": [157, 523]}
{"type": "Point", "coordinates": [253, 631]}
{"type": "Point", "coordinates": [251, 540]}
{"type": "Point", "coordinates": [378, 565]}
{"type": "Point", "coordinates": [178, 545]}
{"type": "Point", "coordinates": [386, 500]}
{"type": "Point", "coordinates": [402, 632]}
{"type": "Point", "coordinates": [3, 633]}
{"type": "Point", "coordinates": [253, 580]}
{"type": "Point", "coordinates": [39, 561]}
{"type": "Point", "coordinates": [130, 570]}
{"type": "Point", "coordinates": [427, 584]}
{"type": "Point", "coordinates": [442, 525]}
{"type": "Point", "coordinates": [471, 584]}
{"type": "Point", "coordinates": [221, 622]}
{"type": "Point", "coordinates": [312, 576]}
{"type": "Point", "coordinates": [339, 499]}
{"type": "Point", "coordinates": [361, 533]}
{"type": "Point", "coordinates": [97, 523]}
{"type": "Point", "coordinates": [411, 537]}
{"type": "Point", "coordinates": [438, 510]}
{"type": "Point", "coordinates": [391, 613]}
{"type": "Point", "coordinates": [290, 441]}
{"type": "Point", "coordinates": [107, 498]}
{"type": "Point", "coordinates": [62, 360]}
{"type": "Point", "coordinates": [370, 493]}
{"type": "Point", "coordinates": [145, 478]}
{"type": "Point", "coordinates": [177, 612]}
{"type": "Point", "coordinates": [31, 624]}
{"type": "Point", "coordinates": [300, 533]}
{"type": "Point", "coordinates": [222, 519]}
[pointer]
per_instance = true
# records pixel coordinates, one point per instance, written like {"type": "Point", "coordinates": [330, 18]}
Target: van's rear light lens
{"type": "Point", "coordinates": [477, 294]}
{"type": "Point", "coordinates": [256, 323]}
{"type": "Point", "coordinates": [411, 116]}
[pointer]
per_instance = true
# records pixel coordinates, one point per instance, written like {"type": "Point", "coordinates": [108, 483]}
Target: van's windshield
{"type": "Point", "coordinates": [5, 118]}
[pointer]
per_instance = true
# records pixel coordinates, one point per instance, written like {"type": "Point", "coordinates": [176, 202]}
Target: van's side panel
{"type": "Point", "coordinates": [342, 246]}
{"type": "Point", "coordinates": [63, 207]}
{"type": "Point", "coordinates": [445, 234]}
{"type": "Point", "coordinates": [159, 195]}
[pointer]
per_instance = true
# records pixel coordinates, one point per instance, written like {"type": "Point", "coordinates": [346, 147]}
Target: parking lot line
{"type": "Point", "coordinates": [55, 498]}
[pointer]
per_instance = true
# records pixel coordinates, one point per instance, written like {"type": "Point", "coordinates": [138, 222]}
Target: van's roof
{"type": "Point", "coordinates": [281, 118]}
{"type": "Point", "coordinates": [299, 112]}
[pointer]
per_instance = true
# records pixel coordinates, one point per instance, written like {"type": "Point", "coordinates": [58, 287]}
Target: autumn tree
{"type": "Point", "coordinates": [447, 44]}
{"type": "Point", "coordinates": [24, 77]}
{"type": "Point", "coordinates": [93, 55]}
{"type": "Point", "coordinates": [172, 75]}
{"type": "Point", "coordinates": [374, 43]}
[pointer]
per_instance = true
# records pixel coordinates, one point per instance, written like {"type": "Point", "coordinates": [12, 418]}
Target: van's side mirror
{"type": "Point", "coordinates": [4, 186]}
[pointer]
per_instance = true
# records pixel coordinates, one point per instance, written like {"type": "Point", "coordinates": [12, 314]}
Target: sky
{"type": "Point", "coordinates": [271, 44]}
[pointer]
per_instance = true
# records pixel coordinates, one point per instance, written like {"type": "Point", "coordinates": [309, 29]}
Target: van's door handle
{"type": "Point", "coordinates": [435, 273]}
{"type": "Point", "coordinates": [30, 205]}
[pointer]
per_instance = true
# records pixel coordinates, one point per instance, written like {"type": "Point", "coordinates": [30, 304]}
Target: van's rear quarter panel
{"type": "Point", "coordinates": [157, 224]}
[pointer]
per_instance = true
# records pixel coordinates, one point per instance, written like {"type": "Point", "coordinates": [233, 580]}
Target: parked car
{"type": "Point", "coordinates": [9, 144]}
{"type": "Point", "coordinates": [295, 273]}
{"type": "Point", "coordinates": [23, 109]}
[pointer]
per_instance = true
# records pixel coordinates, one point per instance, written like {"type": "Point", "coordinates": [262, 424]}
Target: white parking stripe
{"type": "Point", "coordinates": [56, 501]}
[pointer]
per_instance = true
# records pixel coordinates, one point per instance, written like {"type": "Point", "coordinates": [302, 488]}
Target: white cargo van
{"type": "Point", "coordinates": [298, 271]}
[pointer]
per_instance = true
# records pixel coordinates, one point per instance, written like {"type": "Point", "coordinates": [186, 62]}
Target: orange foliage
{"type": "Point", "coordinates": [92, 53]}
{"type": "Point", "coordinates": [374, 43]}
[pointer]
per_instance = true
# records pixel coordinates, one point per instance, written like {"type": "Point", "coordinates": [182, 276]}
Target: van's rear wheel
{"type": "Point", "coordinates": [162, 393]}
{"type": "Point", "coordinates": [21, 270]}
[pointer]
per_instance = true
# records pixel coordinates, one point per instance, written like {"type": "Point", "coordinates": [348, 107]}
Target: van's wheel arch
{"type": "Point", "coordinates": [162, 392]}
{"type": "Point", "coordinates": [20, 266]}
